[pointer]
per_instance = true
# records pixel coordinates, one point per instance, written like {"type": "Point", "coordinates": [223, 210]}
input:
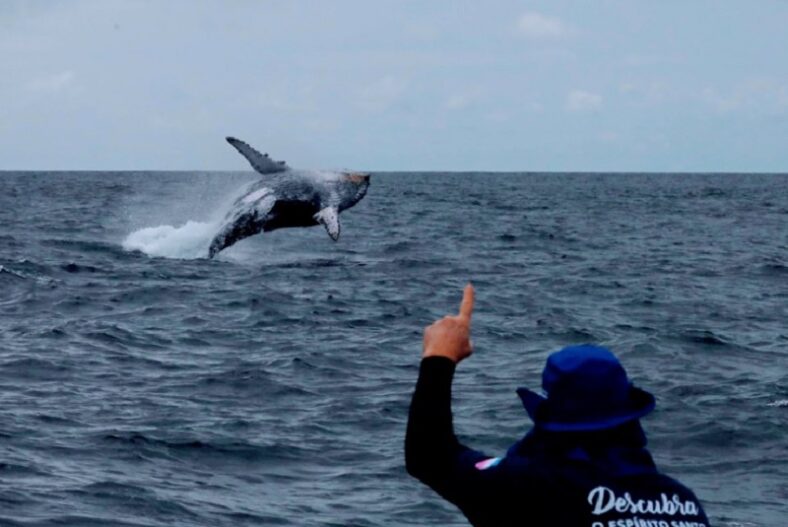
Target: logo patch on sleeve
{"type": "Point", "coordinates": [487, 463]}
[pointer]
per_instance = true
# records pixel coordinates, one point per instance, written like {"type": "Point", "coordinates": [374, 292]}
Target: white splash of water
{"type": "Point", "coordinates": [190, 240]}
{"type": "Point", "coordinates": [180, 228]}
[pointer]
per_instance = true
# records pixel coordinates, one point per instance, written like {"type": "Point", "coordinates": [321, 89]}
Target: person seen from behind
{"type": "Point", "coordinates": [583, 463]}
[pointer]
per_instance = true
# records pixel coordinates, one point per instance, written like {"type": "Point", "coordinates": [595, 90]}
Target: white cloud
{"type": "Point", "coordinates": [423, 30]}
{"type": "Point", "coordinates": [581, 101]}
{"type": "Point", "coordinates": [782, 97]}
{"type": "Point", "coordinates": [751, 95]}
{"type": "Point", "coordinates": [382, 94]}
{"type": "Point", "coordinates": [498, 116]}
{"type": "Point", "coordinates": [608, 136]}
{"type": "Point", "coordinates": [720, 103]}
{"type": "Point", "coordinates": [457, 102]}
{"type": "Point", "coordinates": [54, 83]}
{"type": "Point", "coordinates": [536, 25]}
{"type": "Point", "coordinates": [649, 92]}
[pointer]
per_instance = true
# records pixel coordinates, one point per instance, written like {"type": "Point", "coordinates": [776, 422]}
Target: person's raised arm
{"type": "Point", "coordinates": [450, 336]}
{"type": "Point", "coordinates": [432, 452]}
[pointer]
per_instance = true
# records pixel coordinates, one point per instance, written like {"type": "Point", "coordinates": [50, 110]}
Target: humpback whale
{"type": "Point", "coordinates": [286, 197]}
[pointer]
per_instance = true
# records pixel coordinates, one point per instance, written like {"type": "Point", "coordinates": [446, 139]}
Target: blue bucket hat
{"type": "Point", "coordinates": [587, 389]}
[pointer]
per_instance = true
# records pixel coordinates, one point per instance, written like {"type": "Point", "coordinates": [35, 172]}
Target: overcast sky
{"type": "Point", "coordinates": [396, 85]}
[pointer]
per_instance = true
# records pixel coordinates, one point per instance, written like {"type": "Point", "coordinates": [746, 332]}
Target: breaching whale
{"type": "Point", "coordinates": [287, 198]}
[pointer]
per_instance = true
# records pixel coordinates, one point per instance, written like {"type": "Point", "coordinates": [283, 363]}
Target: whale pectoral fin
{"type": "Point", "coordinates": [260, 162]}
{"type": "Point", "coordinates": [329, 217]}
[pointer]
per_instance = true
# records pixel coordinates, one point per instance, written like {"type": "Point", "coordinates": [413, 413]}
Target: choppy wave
{"type": "Point", "coordinates": [273, 388]}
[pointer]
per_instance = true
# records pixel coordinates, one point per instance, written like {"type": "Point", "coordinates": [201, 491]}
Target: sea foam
{"type": "Point", "coordinates": [190, 240]}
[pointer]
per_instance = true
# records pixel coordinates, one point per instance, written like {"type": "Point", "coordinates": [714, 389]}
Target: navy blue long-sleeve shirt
{"type": "Point", "coordinates": [615, 487]}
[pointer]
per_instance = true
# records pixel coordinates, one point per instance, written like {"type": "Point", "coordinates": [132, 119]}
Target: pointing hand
{"type": "Point", "coordinates": [450, 336]}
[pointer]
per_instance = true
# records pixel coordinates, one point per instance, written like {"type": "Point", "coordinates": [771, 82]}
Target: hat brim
{"type": "Point", "coordinates": [641, 403]}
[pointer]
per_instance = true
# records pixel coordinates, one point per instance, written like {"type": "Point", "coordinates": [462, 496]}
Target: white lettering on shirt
{"type": "Point", "coordinates": [603, 500]}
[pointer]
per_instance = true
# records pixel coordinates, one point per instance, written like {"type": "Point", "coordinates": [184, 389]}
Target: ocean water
{"type": "Point", "coordinates": [144, 385]}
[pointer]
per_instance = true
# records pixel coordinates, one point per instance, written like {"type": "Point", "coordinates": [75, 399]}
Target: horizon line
{"type": "Point", "coordinates": [432, 171]}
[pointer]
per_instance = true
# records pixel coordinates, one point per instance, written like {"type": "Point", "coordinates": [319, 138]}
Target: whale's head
{"type": "Point", "coordinates": [352, 187]}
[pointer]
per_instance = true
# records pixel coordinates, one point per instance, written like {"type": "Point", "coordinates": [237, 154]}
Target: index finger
{"type": "Point", "coordinates": [466, 308]}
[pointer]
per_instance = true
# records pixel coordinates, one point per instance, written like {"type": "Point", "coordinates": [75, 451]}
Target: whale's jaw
{"type": "Point", "coordinates": [351, 188]}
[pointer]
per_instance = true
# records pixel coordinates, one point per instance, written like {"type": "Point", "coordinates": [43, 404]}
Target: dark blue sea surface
{"type": "Point", "coordinates": [142, 384]}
